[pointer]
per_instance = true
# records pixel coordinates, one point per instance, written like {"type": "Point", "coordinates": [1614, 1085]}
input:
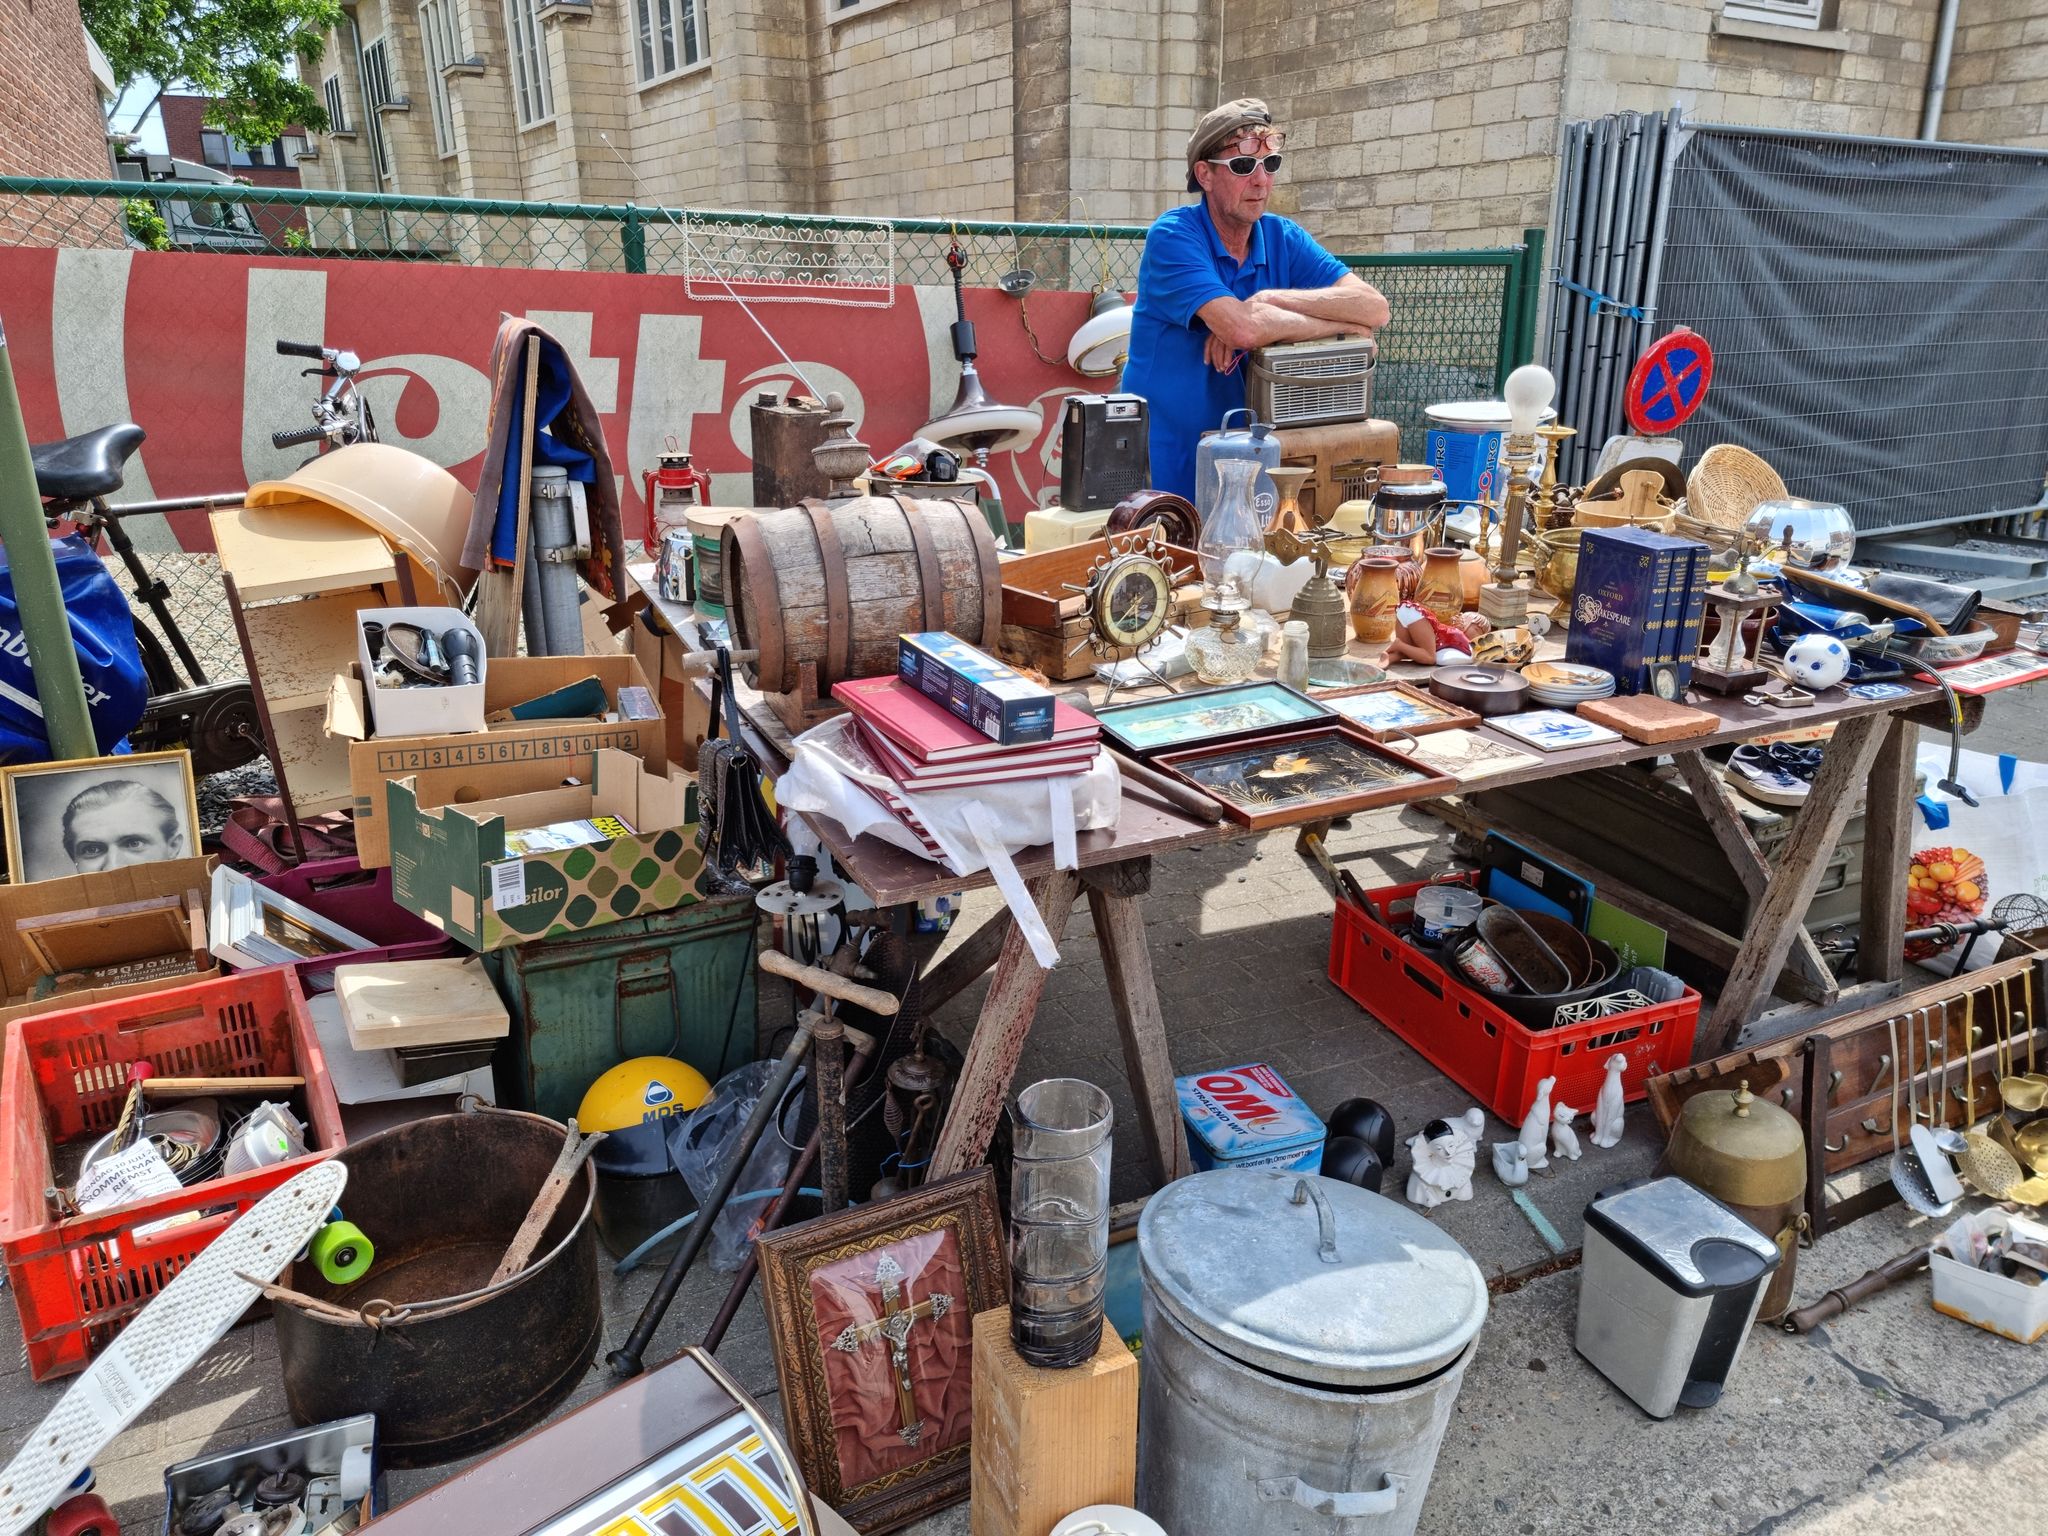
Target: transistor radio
{"type": "Point", "coordinates": [1104, 455]}
{"type": "Point", "coordinates": [1302, 383]}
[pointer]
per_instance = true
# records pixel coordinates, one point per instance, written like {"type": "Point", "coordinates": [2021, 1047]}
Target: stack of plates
{"type": "Point", "coordinates": [1566, 684]}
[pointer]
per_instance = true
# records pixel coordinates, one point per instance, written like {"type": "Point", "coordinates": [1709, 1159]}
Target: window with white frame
{"type": "Point", "coordinates": [337, 108]}
{"type": "Point", "coordinates": [671, 36]}
{"type": "Point", "coordinates": [437, 40]}
{"type": "Point", "coordinates": [533, 91]}
{"type": "Point", "coordinates": [1806, 14]}
{"type": "Point", "coordinates": [376, 72]}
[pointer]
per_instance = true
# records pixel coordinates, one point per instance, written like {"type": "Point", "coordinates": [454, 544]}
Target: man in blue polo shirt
{"type": "Point", "coordinates": [1221, 277]}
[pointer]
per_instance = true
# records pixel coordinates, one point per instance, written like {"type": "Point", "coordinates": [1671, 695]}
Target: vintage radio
{"type": "Point", "coordinates": [1303, 383]}
{"type": "Point", "coordinates": [1104, 453]}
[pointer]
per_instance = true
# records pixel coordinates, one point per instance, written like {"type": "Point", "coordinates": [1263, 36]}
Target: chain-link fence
{"type": "Point", "coordinates": [1462, 319]}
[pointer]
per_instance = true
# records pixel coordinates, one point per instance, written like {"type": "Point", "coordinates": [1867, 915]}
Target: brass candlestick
{"type": "Point", "coordinates": [1503, 601]}
{"type": "Point", "coordinates": [1547, 510]}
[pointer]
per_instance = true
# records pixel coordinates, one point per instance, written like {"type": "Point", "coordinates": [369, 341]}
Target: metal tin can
{"type": "Point", "coordinates": [1247, 1117]}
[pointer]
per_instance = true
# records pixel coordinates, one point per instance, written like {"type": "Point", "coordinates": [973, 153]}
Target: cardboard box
{"type": "Point", "coordinates": [998, 701]}
{"type": "Point", "coordinates": [423, 711]}
{"type": "Point", "coordinates": [21, 968]}
{"type": "Point", "coordinates": [511, 758]}
{"type": "Point", "coordinates": [448, 861]}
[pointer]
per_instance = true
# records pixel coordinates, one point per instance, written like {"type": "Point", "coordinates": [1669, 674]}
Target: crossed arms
{"type": "Point", "coordinates": [1289, 314]}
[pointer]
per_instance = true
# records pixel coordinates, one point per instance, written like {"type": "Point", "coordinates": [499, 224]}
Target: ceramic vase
{"type": "Point", "coordinates": [1471, 577]}
{"type": "Point", "coordinates": [1440, 587]}
{"type": "Point", "coordinates": [1374, 591]}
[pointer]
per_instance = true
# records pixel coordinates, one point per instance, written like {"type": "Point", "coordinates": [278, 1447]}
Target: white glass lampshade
{"type": "Point", "coordinates": [1099, 345]}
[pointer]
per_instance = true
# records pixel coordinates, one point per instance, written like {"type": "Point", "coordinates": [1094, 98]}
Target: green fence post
{"type": "Point", "coordinates": [1504, 335]}
{"type": "Point", "coordinates": [1532, 291]}
{"type": "Point", "coordinates": [633, 239]}
{"type": "Point", "coordinates": [44, 627]}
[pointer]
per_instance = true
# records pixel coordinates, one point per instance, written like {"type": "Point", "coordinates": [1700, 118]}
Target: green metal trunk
{"type": "Point", "coordinates": [678, 983]}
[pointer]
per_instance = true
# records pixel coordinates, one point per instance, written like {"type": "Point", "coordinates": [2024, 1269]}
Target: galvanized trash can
{"type": "Point", "coordinates": [1304, 1343]}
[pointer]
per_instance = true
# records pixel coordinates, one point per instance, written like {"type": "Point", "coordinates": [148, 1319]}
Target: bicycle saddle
{"type": "Point", "coordinates": [75, 468]}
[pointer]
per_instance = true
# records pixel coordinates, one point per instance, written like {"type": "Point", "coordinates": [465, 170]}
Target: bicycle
{"type": "Point", "coordinates": [76, 475]}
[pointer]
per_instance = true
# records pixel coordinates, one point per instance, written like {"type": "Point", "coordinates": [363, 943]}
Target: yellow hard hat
{"type": "Point", "coordinates": [643, 1089]}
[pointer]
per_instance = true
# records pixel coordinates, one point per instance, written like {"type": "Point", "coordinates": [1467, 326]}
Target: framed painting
{"type": "Point", "coordinates": [1206, 718]}
{"type": "Point", "coordinates": [871, 1320]}
{"type": "Point", "coordinates": [1316, 774]}
{"type": "Point", "coordinates": [1398, 709]}
{"type": "Point", "coordinates": [1468, 756]}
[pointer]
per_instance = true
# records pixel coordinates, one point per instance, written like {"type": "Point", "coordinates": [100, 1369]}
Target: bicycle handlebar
{"type": "Point", "coordinates": [310, 349]}
{"type": "Point", "coordinates": [295, 439]}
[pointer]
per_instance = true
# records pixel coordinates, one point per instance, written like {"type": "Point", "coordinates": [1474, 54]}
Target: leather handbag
{"type": "Point", "coordinates": [740, 836]}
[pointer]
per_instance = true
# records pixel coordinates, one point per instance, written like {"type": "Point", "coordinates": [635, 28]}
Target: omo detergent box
{"type": "Point", "coordinates": [1247, 1117]}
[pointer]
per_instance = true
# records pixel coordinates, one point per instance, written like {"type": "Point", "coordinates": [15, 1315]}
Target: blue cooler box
{"type": "Point", "coordinates": [1247, 1117]}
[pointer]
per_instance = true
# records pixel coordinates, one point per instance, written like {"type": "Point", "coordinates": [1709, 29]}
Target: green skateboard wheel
{"type": "Point", "coordinates": [342, 1253]}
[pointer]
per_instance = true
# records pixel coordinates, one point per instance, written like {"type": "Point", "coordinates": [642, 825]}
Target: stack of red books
{"type": "Point", "coordinates": [923, 747]}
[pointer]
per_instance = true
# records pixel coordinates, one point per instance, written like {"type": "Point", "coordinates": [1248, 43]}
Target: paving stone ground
{"type": "Point", "coordinates": [1893, 1418]}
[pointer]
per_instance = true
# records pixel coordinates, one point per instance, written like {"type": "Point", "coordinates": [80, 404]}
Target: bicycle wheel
{"type": "Point", "coordinates": [163, 677]}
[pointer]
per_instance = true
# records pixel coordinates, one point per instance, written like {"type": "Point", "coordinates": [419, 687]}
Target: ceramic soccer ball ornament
{"type": "Point", "coordinates": [1817, 661]}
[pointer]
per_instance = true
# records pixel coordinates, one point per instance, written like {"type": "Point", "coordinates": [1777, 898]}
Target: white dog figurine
{"type": "Point", "coordinates": [1535, 1136]}
{"type": "Point", "coordinates": [1510, 1165]}
{"type": "Point", "coordinates": [1564, 1141]}
{"type": "Point", "coordinates": [1442, 1158]}
{"type": "Point", "coordinates": [1607, 1109]}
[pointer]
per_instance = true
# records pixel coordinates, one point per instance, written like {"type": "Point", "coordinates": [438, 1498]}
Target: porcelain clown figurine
{"type": "Point", "coordinates": [1442, 1158]}
{"type": "Point", "coordinates": [1607, 1109]}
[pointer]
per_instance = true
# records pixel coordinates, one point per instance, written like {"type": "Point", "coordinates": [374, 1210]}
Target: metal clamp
{"type": "Point", "coordinates": [1339, 1506]}
{"type": "Point", "coordinates": [1326, 1219]}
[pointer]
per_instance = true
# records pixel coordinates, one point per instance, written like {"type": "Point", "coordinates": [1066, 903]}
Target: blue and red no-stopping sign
{"type": "Point", "coordinates": [1669, 382]}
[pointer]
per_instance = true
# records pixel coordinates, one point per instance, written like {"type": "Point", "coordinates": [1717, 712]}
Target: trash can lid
{"type": "Point", "coordinates": [1308, 1277]}
{"type": "Point", "coordinates": [1692, 1242]}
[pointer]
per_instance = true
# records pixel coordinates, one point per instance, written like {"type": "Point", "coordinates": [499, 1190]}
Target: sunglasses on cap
{"type": "Point", "coordinates": [1244, 165]}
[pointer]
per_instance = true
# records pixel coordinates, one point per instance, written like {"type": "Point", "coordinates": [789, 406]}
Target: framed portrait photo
{"type": "Point", "coordinates": [871, 1320]}
{"type": "Point", "coordinates": [92, 814]}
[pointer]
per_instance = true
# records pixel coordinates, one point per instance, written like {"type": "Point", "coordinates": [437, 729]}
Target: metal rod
{"type": "Point", "coordinates": [1937, 71]}
{"type": "Point", "coordinates": [45, 627]}
{"type": "Point", "coordinates": [626, 1360]}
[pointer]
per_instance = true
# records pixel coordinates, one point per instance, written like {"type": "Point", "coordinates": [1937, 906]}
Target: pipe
{"type": "Point", "coordinates": [45, 627]}
{"type": "Point", "coordinates": [1937, 70]}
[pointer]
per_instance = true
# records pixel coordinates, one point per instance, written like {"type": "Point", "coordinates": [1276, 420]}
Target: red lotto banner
{"type": "Point", "coordinates": [185, 345]}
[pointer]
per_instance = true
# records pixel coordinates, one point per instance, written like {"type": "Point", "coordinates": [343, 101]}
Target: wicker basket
{"type": "Point", "coordinates": [1728, 484]}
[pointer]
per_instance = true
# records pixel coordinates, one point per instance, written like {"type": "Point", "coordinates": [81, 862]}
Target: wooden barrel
{"type": "Point", "coordinates": [834, 584]}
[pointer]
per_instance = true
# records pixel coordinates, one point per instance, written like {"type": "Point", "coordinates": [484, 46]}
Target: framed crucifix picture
{"type": "Point", "coordinates": [871, 1319]}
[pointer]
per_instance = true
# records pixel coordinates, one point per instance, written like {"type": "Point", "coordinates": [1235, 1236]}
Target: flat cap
{"type": "Point", "coordinates": [1219, 125]}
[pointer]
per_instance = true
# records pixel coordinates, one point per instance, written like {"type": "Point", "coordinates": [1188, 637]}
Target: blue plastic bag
{"type": "Point", "coordinates": [103, 635]}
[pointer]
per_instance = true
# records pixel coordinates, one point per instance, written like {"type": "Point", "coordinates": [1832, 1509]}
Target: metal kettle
{"type": "Point", "coordinates": [1749, 1154]}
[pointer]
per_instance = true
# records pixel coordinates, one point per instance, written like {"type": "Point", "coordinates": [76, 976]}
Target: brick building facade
{"type": "Point", "coordinates": [1414, 124]}
{"type": "Point", "coordinates": [275, 164]}
{"type": "Point", "coordinates": [52, 114]}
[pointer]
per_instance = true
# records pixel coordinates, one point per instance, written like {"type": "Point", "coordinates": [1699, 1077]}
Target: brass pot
{"type": "Point", "coordinates": [1749, 1154]}
{"type": "Point", "coordinates": [1557, 562]}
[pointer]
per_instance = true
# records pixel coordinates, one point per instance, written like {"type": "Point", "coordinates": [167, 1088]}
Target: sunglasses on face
{"type": "Point", "coordinates": [1244, 165]}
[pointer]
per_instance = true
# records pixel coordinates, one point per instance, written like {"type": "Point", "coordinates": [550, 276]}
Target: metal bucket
{"type": "Point", "coordinates": [1224, 1446]}
{"type": "Point", "coordinates": [450, 1364]}
{"type": "Point", "coordinates": [1304, 1344]}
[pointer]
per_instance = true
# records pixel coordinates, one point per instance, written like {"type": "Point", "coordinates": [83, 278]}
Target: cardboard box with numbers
{"type": "Point", "coordinates": [508, 757]}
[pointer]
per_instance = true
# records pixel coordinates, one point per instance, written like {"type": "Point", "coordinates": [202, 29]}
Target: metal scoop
{"type": "Point", "coordinates": [1909, 1178]}
{"type": "Point", "coordinates": [1934, 1144]}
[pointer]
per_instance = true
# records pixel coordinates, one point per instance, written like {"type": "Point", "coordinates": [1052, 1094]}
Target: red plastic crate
{"type": "Point", "coordinates": [65, 1075]}
{"type": "Point", "coordinates": [1477, 1045]}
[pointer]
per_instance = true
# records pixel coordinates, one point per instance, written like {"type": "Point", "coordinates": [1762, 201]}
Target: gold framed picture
{"type": "Point", "coordinates": [98, 813]}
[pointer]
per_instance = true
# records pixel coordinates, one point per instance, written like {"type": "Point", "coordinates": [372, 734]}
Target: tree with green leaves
{"type": "Point", "coordinates": [239, 52]}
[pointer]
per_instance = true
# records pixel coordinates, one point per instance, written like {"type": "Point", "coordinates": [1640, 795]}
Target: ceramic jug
{"type": "Point", "coordinates": [1441, 587]}
{"type": "Point", "coordinates": [1374, 591]}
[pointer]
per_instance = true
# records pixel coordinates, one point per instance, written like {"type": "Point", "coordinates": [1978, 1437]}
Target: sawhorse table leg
{"type": "Point", "coordinates": [1115, 900]}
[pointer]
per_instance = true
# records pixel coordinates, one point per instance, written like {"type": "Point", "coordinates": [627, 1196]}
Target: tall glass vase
{"type": "Point", "coordinates": [1232, 528]}
{"type": "Point", "coordinates": [1059, 1220]}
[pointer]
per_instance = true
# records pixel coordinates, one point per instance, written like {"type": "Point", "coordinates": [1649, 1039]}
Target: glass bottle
{"type": "Point", "coordinates": [1294, 653]}
{"type": "Point", "coordinates": [1223, 651]}
{"type": "Point", "coordinates": [1232, 527]}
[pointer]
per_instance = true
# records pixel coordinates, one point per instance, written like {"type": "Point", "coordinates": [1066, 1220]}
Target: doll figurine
{"type": "Point", "coordinates": [1420, 635]}
{"type": "Point", "coordinates": [1607, 1109]}
{"type": "Point", "coordinates": [1442, 1159]}
{"type": "Point", "coordinates": [1564, 1141]}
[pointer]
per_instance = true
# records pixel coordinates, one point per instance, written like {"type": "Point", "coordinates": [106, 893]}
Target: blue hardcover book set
{"type": "Point", "coordinates": [1637, 607]}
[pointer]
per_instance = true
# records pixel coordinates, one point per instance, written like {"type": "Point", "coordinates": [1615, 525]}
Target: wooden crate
{"type": "Point", "coordinates": [1045, 625]}
{"type": "Point", "coordinates": [1047, 1443]}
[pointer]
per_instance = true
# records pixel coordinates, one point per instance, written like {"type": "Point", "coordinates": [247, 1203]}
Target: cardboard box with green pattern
{"type": "Point", "coordinates": [450, 863]}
